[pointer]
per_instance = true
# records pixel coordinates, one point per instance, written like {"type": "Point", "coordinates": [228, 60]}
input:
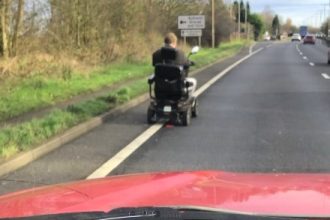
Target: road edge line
{"type": "Point", "coordinates": [129, 149]}
{"type": "Point", "coordinates": [124, 153]}
{"type": "Point", "coordinates": [325, 75]}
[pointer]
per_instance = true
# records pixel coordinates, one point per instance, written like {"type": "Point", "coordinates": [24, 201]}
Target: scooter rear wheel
{"type": "Point", "coordinates": [186, 117]}
{"type": "Point", "coordinates": [151, 116]}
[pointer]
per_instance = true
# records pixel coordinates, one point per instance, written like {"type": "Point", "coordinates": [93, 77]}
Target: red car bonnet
{"type": "Point", "coordinates": [267, 194]}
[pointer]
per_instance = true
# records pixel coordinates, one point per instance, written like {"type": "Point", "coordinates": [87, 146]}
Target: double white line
{"type": "Point", "coordinates": [128, 150]}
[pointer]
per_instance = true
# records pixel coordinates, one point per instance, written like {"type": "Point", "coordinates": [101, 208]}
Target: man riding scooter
{"type": "Point", "coordinates": [172, 97]}
{"type": "Point", "coordinates": [170, 41]}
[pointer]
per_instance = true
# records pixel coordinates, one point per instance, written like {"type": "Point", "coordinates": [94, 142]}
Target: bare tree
{"type": "Point", "coordinates": [4, 8]}
{"type": "Point", "coordinates": [19, 16]}
{"type": "Point", "coordinates": [108, 29]}
{"type": "Point", "coordinates": [267, 16]}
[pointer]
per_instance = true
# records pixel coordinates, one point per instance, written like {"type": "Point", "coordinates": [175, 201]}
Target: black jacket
{"type": "Point", "coordinates": [180, 59]}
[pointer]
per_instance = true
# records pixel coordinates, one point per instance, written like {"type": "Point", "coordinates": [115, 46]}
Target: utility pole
{"type": "Point", "coordinates": [327, 34]}
{"type": "Point", "coordinates": [230, 16]}
{"type": "Point", "coordinates": [325, 16]}
{"type": "Point", "coordinates": [320, 19]}
{"type": "Point", "coordinates": [246, 24]}
{"type": "Point", "coordinates": [239, 19]}
{"type": "Point", "coordinates": [213, 24]}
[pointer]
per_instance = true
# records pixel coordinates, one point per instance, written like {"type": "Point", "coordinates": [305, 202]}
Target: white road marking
{"type": "Point", "coordinates": [305, 58]}
{"type": "Point", "coordinates": [312, 64]}
{"type": "Point", "coordinates": [115, 161]}
{"type": "Point", "coordinates": [223, 73]}
{"type": "Point", "coordinates": [326, 76]}
{"type": "Point", "coordinates": [123, 154]}
{"type": "Point", "coordinates": [301, 54]}
{"type": "Point", "coordinates": [268, 46]}
{"type": "Point", "coordinates": [251, 48]}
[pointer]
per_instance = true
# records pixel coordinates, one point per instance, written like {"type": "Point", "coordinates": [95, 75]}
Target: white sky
{"type": "Point", "coordinates": [302, 12]}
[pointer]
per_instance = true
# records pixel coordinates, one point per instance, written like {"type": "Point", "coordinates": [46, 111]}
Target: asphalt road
{"type": "Point", "coordinates": [269, 114]}
{"type": "Point", "coordinates": [79, 158]}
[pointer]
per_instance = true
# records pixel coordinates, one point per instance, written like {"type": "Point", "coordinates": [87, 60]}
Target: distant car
{"type": "Point", "coordinates": [309, 39]}
{"type": "Point", "coordinates": [320, 35]}
{"type": "Point", "coordinates": [266, 38]}
{"type": "Point", "coordinates": [296, 37]}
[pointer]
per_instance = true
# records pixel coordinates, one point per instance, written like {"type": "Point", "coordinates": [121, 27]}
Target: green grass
{"type": "Point", "coordinates": [27, 135]}
{"type": "Point", "coordinates": [40, 91]}
{"type": "Point", "coordinates": [209, 55]}
{"type": "Point", "coordinates": [23, 136]}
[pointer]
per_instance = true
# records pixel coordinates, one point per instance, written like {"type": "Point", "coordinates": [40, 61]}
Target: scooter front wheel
{"type": "Point", "coordinates": [195, 109]}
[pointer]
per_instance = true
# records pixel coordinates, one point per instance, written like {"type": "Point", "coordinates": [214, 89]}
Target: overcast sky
{"type": "Point", "coordinates": [301, 11]}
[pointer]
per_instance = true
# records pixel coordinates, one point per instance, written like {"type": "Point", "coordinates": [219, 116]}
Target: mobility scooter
{"type": "Point", "coordinates": [169, 91]}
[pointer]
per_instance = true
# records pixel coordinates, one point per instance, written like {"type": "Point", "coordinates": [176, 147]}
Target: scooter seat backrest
{"type": "Point", "coordinates": [169, 81]}
{"type": "Point", "coordinates": [168, 55]}
{"type": "Point", "coordinates": [169, 72]}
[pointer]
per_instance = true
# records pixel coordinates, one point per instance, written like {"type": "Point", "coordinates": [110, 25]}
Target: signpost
{"type": "Point", "coordinates": [191, 33]}
{"type": "Point", "coordinates": [191, 22]}
{"type": "Point", "coordinates": [191, 26]}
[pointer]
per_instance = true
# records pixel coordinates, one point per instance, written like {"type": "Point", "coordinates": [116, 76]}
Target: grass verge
{"type": "Point", "coordinates": [40, 91]}
{"type": "Point", "coordinates": [22, 137]}
{"type": "Point", "coordinates": [209, 55]}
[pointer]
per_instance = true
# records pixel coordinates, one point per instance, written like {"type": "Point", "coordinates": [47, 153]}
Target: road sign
{"type": "Point", "coordinates": [191, 22]}
{"type": "Point", "coordinates": [191, 33]}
